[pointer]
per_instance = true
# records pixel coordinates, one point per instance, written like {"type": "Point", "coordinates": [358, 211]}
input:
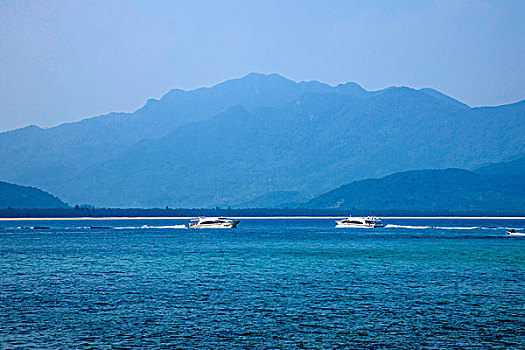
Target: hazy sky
{"type": "Point", "coordinates": [67, 60]}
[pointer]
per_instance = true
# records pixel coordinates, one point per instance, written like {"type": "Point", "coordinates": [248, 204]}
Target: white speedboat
{"type": "Point", "coordinates": [513, 232]}
{"type": "Point", "coordinates": [216, 222]}
{"type": "Point", "coordinates": [359, 222]}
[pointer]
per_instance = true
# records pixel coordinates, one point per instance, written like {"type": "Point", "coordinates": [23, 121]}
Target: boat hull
{"type": "Point", "coordinates": [232, 224]}
{"type": "Point", "coordinates": [357, 226]}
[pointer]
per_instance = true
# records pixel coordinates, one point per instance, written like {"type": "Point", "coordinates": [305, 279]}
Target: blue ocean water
{"type": "Point", "coordinates": [283, 284]}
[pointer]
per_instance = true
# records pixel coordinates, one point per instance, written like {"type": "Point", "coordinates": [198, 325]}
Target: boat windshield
{"type": "Point", "coordinates": [352, 222]}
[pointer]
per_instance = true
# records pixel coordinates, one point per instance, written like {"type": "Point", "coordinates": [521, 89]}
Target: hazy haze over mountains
{"type": "Point", "coordinates": [256, 136]}
{"type": "Point", "coordinates": [65, 60]}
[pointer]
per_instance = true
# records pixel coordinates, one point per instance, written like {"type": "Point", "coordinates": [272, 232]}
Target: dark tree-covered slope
{"type": "Point", "coordinates": [15, 196]}
{"type": "Point", "coordinates": [499, 187]}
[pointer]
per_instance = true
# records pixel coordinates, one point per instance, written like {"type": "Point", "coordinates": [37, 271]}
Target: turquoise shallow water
{"type": "Point", "coordinates": [436, 284]}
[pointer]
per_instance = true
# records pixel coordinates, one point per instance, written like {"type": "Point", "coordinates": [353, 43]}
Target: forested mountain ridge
{"type": "Point", "coordinates": [251, 137]}
{"type": "Point", "coordinates": [23, 197]}
{"type": "Point", "coordinates": [498, 188]}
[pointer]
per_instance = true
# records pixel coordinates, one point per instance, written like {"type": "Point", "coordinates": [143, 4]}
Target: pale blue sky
{"type": "Point", "coordinates": [67, 60]}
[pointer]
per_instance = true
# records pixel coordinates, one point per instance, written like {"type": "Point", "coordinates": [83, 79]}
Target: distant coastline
{"type": "Point", "coordinates": [92, 213]}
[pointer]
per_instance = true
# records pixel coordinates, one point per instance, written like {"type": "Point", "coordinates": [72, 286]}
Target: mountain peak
{"type": "Point", "coordinates": [255, 75]}
{"type": "Point", "coordinates": [26, 129]}
{"type": "Point", "coordinates": [351, 88]}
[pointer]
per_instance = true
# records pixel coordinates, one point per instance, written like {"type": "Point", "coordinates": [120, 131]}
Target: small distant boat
{"type": "Point", "coordinates": [359, 222]}
{"type": "Point", "coordinates": [513, 232]}
{"type": "Point", "coordinates": [215, 222]}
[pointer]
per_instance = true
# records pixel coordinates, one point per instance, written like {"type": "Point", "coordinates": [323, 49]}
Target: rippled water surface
{"type": "Point", "coordinates": [439, 284]}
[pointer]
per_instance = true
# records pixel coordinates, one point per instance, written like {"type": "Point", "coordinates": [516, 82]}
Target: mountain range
{"type": "Point", "coordinates": [260, 137]}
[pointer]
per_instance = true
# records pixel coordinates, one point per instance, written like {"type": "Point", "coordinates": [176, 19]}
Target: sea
{"type": "Point", "coordinates": [268, 284]}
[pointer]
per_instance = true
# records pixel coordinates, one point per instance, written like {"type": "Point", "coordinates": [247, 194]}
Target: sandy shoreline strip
{"type": "Point", "coordinates": [274, 218]}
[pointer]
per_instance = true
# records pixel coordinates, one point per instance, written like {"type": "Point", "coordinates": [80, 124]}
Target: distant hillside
{"type": "Point", "coordinates": [499, 187]}
{"type": "Point", "coordinates": [257, 140]}
{"type": "Point", "coordinates": [277, 199]}
{"type": "Point", "coordinates": [514, 169]}
{"type": "Point", "coordinates": [22, 197]}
